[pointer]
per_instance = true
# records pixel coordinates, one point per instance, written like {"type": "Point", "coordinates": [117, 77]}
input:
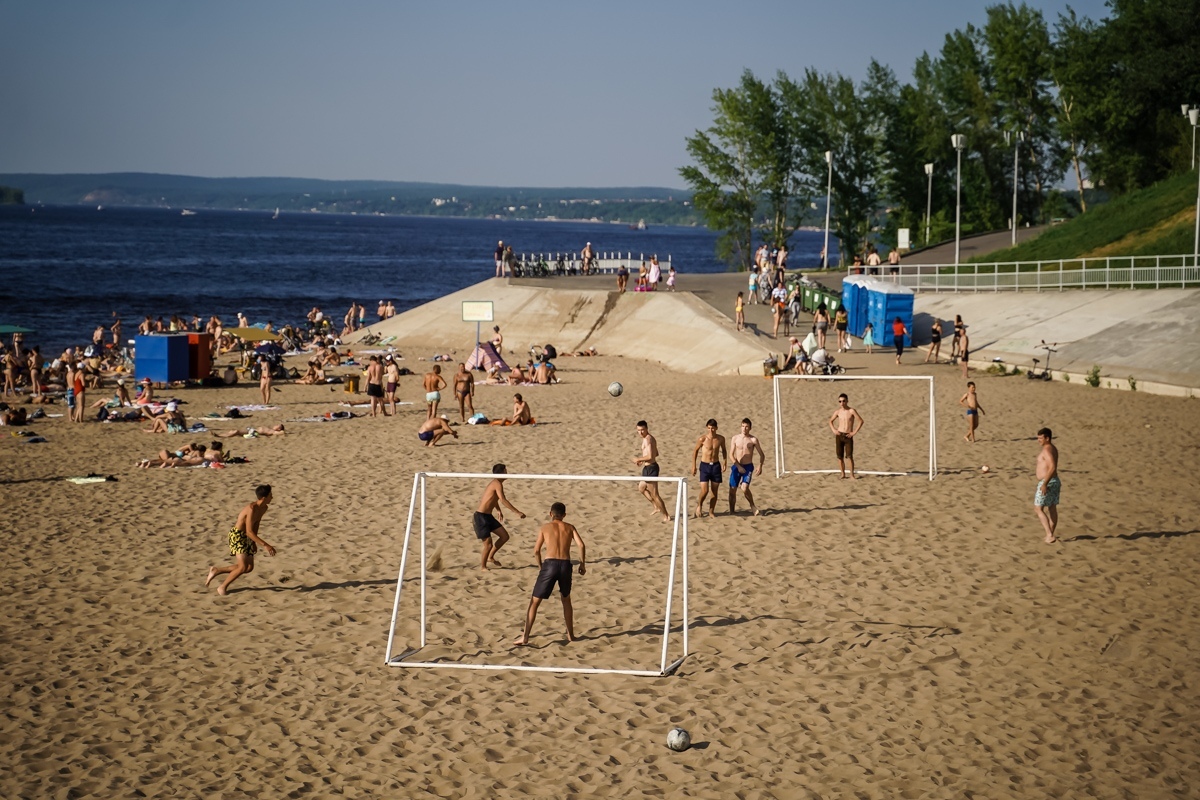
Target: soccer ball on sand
{"type": "Point", "coordinates": [985, 468]}
{"type": "Point", "coordinates": [679, 739]}
{"type": "Point", "coordinates": [615, 389]}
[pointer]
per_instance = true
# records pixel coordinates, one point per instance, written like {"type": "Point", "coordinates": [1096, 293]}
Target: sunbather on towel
{"type": "Point", "coordinates": [252, 433]}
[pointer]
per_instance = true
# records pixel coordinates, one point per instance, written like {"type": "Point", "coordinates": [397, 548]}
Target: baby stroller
{"type": "Point", "coordinates": [822, 363]}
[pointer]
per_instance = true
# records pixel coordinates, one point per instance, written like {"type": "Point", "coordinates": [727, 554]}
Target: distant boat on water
{"type": "Point", "coordinates": [187, 212]}
{"type": "Point", "coordinates": [641, 226]}
{"type": "Point", "coordinates": [276, 214]}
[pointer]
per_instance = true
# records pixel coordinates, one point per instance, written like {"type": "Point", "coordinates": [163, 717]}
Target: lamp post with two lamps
{"type": "Point", "coordinates": [1191, 114]}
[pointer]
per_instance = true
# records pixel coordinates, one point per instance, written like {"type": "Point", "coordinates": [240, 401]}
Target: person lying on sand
{"type": "Point", "coordinates": [192, 455]}
{"type": "Point", "coordinates": [252, 433]}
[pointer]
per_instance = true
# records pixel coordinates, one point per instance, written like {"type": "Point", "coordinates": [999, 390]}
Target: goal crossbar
{"type": "Point", "coordinates": [780, 463]}
{"type": "Point", "coordinates": [679, 555]}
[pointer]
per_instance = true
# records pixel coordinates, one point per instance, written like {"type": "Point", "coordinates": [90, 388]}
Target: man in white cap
{"type": "Point", "coordinates": [588, 257]}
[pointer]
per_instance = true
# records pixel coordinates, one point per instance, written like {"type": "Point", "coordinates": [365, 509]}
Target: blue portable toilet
{"type": "Point", "coordinates": [886, 301]}
{"type": "Point", "coordinates": [854, 300]}
{"type": "Point", "coordinates": [163, 359]}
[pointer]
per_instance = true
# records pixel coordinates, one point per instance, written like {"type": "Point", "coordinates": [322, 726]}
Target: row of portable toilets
{"type": "Point", "coordinates": [870, 300]}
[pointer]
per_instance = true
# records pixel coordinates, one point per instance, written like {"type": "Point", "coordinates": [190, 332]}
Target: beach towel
{"type": "Point", "coordinates": [91, 478]}
{"type": "Point", "coordinates": [253, 407]}
{"type": "Point", "coordinates": [484, 356]}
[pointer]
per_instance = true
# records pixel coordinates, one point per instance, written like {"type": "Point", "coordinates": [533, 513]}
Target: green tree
{"type": "Point", "coordinates": [1079, 86]}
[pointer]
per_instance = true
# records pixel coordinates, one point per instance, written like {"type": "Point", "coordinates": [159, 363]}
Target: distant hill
{"type": "Point", "coordinates": [11, 196]}
{"type": "Point", "coordinates": [626, 204]}
{"type": "Point", "coordinates": [1157, 220]}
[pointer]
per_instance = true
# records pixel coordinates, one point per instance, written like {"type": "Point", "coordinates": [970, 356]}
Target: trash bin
{"type": "Point", "coordinates": [351, 386]}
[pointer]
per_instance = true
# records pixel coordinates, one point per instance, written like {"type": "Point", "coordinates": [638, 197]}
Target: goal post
{"type": "Point", "coordinates": [780, 454]}
{"type": "Point", "coordinates": [417, 516]}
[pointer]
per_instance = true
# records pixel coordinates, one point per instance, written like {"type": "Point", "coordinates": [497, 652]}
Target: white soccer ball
{"type": "Point", "coordinates": [679, 739]}
{"type": "Point", "coordinates": [985, 468]}
{"type": "Point", "coordinates": [615, 389]}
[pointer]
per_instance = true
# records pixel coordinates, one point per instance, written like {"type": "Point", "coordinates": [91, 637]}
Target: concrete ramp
{"type": "Point", "coordinates": [675, 329]}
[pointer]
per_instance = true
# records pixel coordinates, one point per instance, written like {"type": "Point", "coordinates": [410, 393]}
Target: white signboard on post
{"type": "Point", "coordinates": [902, 239]}
{"type": "Point", "coordinates": [477, 310]}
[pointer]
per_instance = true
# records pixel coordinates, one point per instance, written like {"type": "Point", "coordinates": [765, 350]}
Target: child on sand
{"type": "Point", "coordinates": [244, 541]}
{"type": "Point", "coordinates": [971, 401]}
{"type": "Point", "coordinates": [739, 311]}
{"type": "Point", "coordinates": [868, 337]}
{"type": "Point", "coordinates": [556, 536]}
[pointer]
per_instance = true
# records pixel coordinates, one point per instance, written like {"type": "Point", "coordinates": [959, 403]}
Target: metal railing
{"type": "Point", "coordinates": [536, 265]}
{"type": "Point", "coordinates": [1108, 272]}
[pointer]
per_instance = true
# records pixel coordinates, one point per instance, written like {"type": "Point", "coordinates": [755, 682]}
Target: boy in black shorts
{"type": "Point", "coordinates": [556, 536]}
{"type": "Point", "coordinates": [486, 524]}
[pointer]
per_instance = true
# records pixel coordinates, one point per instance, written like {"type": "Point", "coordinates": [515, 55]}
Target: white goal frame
{"type": "Point", "coordinates": [679, 546]}
{"type": "Point", "coordinates": [780, 465]}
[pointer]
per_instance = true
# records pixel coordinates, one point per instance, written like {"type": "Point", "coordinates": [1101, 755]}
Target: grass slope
{"type": "Point", "coordinates": [1158, 220]}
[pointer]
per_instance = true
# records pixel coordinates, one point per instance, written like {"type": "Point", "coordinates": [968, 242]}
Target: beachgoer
{"type": "Point", "coordinates": [253, 433]}
{"type": "Point", "coordinates": [264, 378]}
{"type": "Point", "coordinates": [710, 449]}
{"type": "Point", "coordinates": [1045, 499]}
{"type": "Point", "coordinates": [432, 430]}
{"type": "Point", "coordinates": [845, 423]}
{"type": "Point", "coordinates": [899, 331]}
{"type": "Point", "coordinates": [486, 524]}
{"type": "Point", "coordinates": [964, 350]}
{"type": "Point", "coordinates": [894, 264]}
{"type": "Point", "coordinates": [244, 541]}
{"type": "Point", "coordinates": [821, 324]}
{"type": "Point", "coordinates": [80, 392]}
{"type": "Point", "coordinates": [873, 261]}
{"type": "Point", "coordinates": [753, 286]}
{"type": "Point", "coordinates": [375, 385]}
{"type": "Point", "coordinates": [522, 415]}
{"type": "Point", "coordinates": [779, 310]}
{"type": "Point", "coordinates": [587, 259]}
{"type": "Point", "coordinates": [648, 461]}
{"type": "Point", "coordinates": [464, 391]}
{"type": "Point", "coordinates": [433, 383]}
{"type": "Point", "coordinates": [391, 380]}
{"type": "Point", "coordinates": [739, 311]}
{"type": "Point", "coordinates": [622, 278]}
{"type": "Point", "coordinates": [742, 448]}
{"type": "Point", "coordinates": [556, 536]}
{"type": "Point", "coordinates": [869, 338]}
{"type": "Point", "coordinates": [653, 274]}
{"type": "Point", "coordinates": [545, 372]}
{"type": "Point", "coordinates": [935, 341]}
{"type": "Point", "coordinates": [971, 401]}
{"type": "Point", "coordinates": [841, 322]}
{"type": "Point", "coordinates": [958, 331]}
{"type": "Point", "coordinates": [497, 340]}
{"type": "Point", "coordinates": [499, 254]}
{"type": "Point", "coordinates": [671, 278]}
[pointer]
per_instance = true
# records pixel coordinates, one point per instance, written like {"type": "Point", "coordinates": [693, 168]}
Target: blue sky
{"type": "Point", "coordinates": [483, 93]}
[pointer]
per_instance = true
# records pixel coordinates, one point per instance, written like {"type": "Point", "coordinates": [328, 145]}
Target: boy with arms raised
{"type": "Point", "coordinates": [556, 536]}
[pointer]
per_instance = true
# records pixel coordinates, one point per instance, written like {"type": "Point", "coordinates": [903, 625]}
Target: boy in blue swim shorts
{"type": "Point", "coordinates": [742, 448]}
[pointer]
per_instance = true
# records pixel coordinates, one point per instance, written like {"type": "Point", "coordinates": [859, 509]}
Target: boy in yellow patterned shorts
{"type": "Point", "coordinates": [244, 541]}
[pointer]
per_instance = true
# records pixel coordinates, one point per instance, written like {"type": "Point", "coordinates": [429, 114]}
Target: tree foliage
{"type": "Point", "coordinates": [1098, 100]}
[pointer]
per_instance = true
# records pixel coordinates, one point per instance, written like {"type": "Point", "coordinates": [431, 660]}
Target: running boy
{"type": "Point", "coordinates": [244, 541]}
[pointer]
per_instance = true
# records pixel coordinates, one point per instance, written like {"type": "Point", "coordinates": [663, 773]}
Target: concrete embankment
{"type": "Point", "coordinates": [675, 329]}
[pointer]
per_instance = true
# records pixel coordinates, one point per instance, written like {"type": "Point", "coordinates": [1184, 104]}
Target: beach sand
{"type": "Point", "coordinates": [890, 637]}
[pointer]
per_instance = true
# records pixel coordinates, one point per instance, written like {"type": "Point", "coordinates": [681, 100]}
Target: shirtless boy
{"type": "Point", "coordinates": [742, 448]}
{"type": "Point", "coordinates": [434, 383]}
{"type": "Point", "coordinates": [464, 390]}
{"type": "Point", "coordinates": [556, 536]}
{"type": "Point", "coordinates": [845, 423]}
{"type": "Point", "coordinates": [244, 541]}
{"type": "Point", "coordinates": [648, 461]}
{"type": "Point", "coordinates": [486, 524]}
{"type": "Point", "coordinates": [375, 385]}
{"type": "Point", "coordinates": [710, 448]}
{"type": "Point", "coordinates": [1045, 499]}
{"type": "Point", "coordinates": [432, 430]}
{"type": "Point", "coordinates": [971, 401]}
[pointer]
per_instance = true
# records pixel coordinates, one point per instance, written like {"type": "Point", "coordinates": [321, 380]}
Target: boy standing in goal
{"type": "Point", "coordinates": [556, 536]}
{"type": "Point", "coordinates": [486, 524]}
{"type": "Point", "coordinates": [844, 423]}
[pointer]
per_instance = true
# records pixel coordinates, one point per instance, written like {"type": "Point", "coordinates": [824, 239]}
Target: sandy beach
{"type": "Point", "coordinates": [881, 638]}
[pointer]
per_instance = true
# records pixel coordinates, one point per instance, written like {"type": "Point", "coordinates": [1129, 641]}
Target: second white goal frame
{"type": "Point", "coordinates": [780, 465]}
{"type": "Point", "coordinates": [679, 547]}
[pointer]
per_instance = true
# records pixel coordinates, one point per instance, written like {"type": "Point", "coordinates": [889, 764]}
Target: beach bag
{"type": "Point", "coordinates": [810, 343]}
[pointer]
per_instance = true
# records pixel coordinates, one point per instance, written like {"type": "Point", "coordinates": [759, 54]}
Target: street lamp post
{"type": "Point", "coordinates": [1015, 137]}
{"type": "Point", "coordinates": [828, 197]}
{"type": "Point", "coordinates": [1190, 113]}
{"type": "Point", "coordinates": [959, 141]}
{"type": "Point", "coordinates": [1194, 118]}
{"type": "Point", "coordinates": [928, 201]}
